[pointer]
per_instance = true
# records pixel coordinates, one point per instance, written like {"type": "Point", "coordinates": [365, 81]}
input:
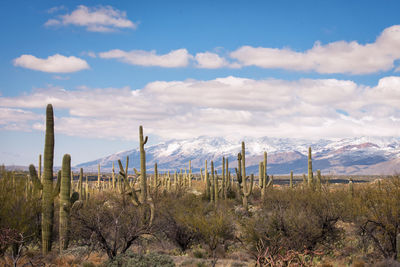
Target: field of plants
{"type": "Point", "coordinates": [179, 218]}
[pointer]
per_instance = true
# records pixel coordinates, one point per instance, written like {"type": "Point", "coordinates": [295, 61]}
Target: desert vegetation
{"type": "Point", "coordinates": [180, 218]}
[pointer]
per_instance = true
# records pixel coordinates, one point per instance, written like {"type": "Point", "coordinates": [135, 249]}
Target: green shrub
{"type": "Point", "coordinates": [88, 264]}
{"type": "Point", "coordinates": [131, 259]}
{"type": "Point", "coordinates": [376, 211]}
{"type": "Point", "coordinates": [292, 222]}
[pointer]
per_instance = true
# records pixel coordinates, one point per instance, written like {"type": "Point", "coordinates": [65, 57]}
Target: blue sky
{"type": "Point", "coordinates": [298, 69]}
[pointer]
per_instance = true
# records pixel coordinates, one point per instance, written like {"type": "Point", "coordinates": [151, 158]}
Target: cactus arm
{"type": "Point", "coordinates": [126, 183]}
{"type": "Point", "coordinates": [35, 180]}
{"type": "Point", "coordinates": [56, 190]}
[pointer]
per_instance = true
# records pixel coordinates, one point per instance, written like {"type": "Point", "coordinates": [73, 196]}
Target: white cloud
{"type": "Point", "coordinates": [56, 9]}
{"type": "Point", "coordinates": [209, 60]}
{"type": "Point", "coordinates": [174, 59]}
{"type": "Point", "coordinates": [55, 64]}
{"type": "Point", "coordinates": [61, 78]}
{"type": "Point", "coordinates": [336, 57]}
{"type": "Point", "coordinates": [17, 119]}
{"type": "Point", "coordinates": [96, 19]}
{"type": "Point", "coordinates": [306, 108]}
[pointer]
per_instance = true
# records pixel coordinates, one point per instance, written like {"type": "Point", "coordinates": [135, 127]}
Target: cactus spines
{"type": "Point", "coordinates": [310, 170]}
{"type": "Point", "coordinates": [291, 179]}
{"type": "Point", "coordinates": [65, 202]}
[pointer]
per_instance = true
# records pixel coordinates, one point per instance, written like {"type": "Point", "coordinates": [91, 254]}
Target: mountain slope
{"type": "Point", "coordinates": [364, 155]}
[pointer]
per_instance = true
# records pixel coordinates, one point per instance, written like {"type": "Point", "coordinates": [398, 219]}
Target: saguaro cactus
{"type": "Point", "coordinates": [46, 185]}
{"type": "Point", "coordinates": [291, 179]}
{"type": "Point", "coordinates": [40, 167]}
{"type": "Point", "coordinates": [98, 177]}
{"type": "Point", "coordinates": [49, 193]}
{"type": "Point", "coordinates": [310, 171]}
{"type": "Point", "coordinates": [262, 179]}
{"type": "Point", "coordinates": [223, 184]}
{"type": "Point", "coordinates": [66, 202]}
{"type": "Point", "coordinates": [246, 190]}
{"type": "Point", "coordinates": [207, 182]}
{"type": "Point", "coordinates": [143, 180]}
{"type": "Point", "coordinates": [319, 179]}
{"type": "Point", "coordinates": [143, 198]}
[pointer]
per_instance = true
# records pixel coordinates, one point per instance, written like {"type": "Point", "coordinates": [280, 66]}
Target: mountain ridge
{"type": "Point", "coordinates": [362, 155]}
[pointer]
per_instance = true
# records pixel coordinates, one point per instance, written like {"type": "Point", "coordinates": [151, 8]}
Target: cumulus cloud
{"type": "Point", "coordinates": [306, 108]}
{"type": "Point", "coordinates": [95, 19]}
{"type": "Point", "coordinates": [209, 60]}
{"type": "Point", "coordinates": [17, 119]}
{"type": "Point", "coordinates": [54, 64]}
{"type": "Point", "coordinates": [174, 59]}
{"type": "Point", "coordinates": [335, 57]}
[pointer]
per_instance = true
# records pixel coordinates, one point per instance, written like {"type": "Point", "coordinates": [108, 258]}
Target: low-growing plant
{"type": "Point", "coordinates": [131, 259]}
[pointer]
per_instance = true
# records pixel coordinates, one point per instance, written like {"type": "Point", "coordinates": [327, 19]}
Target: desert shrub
{"type": "Point", "coordinates": [172, 222]}
{"type": "Point", "coordinates": [213, 224]}
{"type": "Point", "coordinates": [131, 259]}
{"type": "Point", "coordinates": [19, 215]}
{"type": "Point", "coordinates": [293, 222]}
{"type": "Point", "coordinates": [109, 223]}
{"type": "Point", "coordinates": [377, 215]}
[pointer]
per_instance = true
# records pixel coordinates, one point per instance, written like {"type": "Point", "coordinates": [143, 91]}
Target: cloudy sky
{"type": "Point", "coordinates": [297, 69]}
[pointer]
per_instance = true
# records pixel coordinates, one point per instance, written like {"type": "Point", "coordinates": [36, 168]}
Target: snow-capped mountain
{"type": "Point", "coordinates": [364, 155]}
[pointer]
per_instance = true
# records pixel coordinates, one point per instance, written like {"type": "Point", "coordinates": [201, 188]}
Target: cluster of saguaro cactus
{"type": "Point", "coordinates": [143, 198]}
{"type": "Point", "coordinates": [215, 189]}
{"type": "Point", "coordinates": [244, 189]}
{"type": "Point", "coordinates": [263, 177]}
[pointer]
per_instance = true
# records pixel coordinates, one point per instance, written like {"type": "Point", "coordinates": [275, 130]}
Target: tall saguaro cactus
{"type": "Point", "coordinates": [66, 202]}
{"type": "Point", "coordinates": [143, 198]}
{"type": "Point", "coordinates": [291, 179]}
{"type": "Point", "coordinates": [46, 185]}
{"type": "Point", "coordinates": [143, 178]}
{"type": "Point", "coordinates": [310, 171]}
{"type": "Point", "coordinates": [223, 185]}
{"type": "Point", "coordinates": [246, 190]}
{"type": "Point", "coordinates": [207, 182]}
{"type": "Point", "coordinates": [48, 191]}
